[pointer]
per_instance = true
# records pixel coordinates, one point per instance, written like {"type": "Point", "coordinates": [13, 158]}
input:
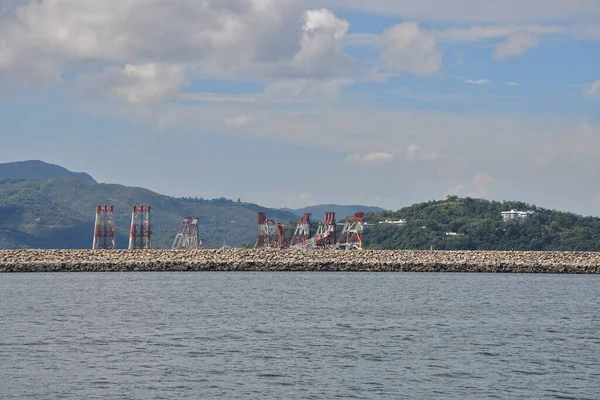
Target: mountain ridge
{"type": "Point", "coordinates": [36, 169]}
{"type": "Point", "coordinates": [55, 208]}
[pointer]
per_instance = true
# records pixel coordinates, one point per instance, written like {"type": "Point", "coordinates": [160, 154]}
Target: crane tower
{"type": "Point", "coordinates": [351, 236]}
{"type": "Point", "coordinates": [187, 236]}
{"type": "Point", "coordinates": [104, 228]}
{"type": "Point", "coordinates": [140, 233]}
{"type": "Point", "coordinates": [270, 233]}
{"type": "Point", "coordinates": [302, 233]}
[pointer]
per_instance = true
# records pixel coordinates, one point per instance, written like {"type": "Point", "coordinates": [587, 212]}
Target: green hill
{"type": "Point", "coordinates": [60, 213]}
{"type": "Point", "coordinates": [476, 224]}
{"type": "Point", "coordinates": [47, 206]}
{"type": "Point", "coordinates": [35, 169]}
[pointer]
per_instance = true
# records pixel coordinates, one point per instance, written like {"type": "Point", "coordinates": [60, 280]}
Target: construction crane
{"type": "Point", "coordinates": [323, 239]}
{"type": "Point", "coordinates": [270, 233]}
{"type": "Point", "coordinates": [351, 237]}
{"type": "Point", "coordinates": [302, 232]}
{"type": "Point", "coordinates": [187, 236]}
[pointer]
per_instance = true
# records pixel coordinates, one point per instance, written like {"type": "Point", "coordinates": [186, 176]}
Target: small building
{"type": "Point", "coordinates": [516, 215]}
{"type": "Point", "coordinates": [398, 222]}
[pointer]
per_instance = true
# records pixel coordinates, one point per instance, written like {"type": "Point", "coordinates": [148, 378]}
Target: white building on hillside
{"type": "Point", "coordinates": [515, 215]}
{"type": "Point", "coordinates": [398, 222]}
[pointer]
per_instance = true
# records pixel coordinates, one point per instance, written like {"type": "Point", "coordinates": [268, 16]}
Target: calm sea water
{"type": "Point", "coordinates": [299, 335]}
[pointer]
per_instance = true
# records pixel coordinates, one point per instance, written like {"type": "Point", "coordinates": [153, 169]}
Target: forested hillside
{"type": "Point", "coordinates": [60, 212]}
{"type": "Point", "coordinates": [476, 224]}
{"type": "Point", "coordinates": [47, 206]}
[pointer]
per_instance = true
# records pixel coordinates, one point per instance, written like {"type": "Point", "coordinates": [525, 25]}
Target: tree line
{"type": "Point", "coordinates": [477, 224]}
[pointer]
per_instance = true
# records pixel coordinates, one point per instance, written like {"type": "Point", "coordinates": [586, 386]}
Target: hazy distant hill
{"type": "Point", "coordinates": [318, 212]}
{"type": "Point", "coordinates": [35, 169]}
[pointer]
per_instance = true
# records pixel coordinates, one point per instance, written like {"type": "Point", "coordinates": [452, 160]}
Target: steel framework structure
{"type": "Point", "coordinates": [326, 232]}
{"type": "Point", "coordinates": [270, 233]}
{"type": "Point", "coordinates": [324, 238]}
{"type": "Point", "coordinates": [302, 232]}
{"type": "Point", "coordinates": [140, 233]}
{"type": "Point", "coordinates": [351, 236]}
{"type": "Point", "coordinates": [187, 236]}
{"type": "Point", "coordinates": [104, 228]}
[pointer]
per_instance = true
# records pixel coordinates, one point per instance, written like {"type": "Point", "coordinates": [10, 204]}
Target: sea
{"type": "Point", "coordinates": [299, 335]}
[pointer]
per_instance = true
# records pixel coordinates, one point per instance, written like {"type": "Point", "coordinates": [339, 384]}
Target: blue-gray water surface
{"type": "Point", "coordinates": [299, 335]}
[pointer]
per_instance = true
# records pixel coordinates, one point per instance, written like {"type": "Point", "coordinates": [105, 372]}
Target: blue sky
{"type": "Point", "coordinates": [294, 103]}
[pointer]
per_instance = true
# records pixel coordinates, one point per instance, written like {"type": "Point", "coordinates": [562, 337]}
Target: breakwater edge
{"type": "Point", "coordinates": [299, 260]}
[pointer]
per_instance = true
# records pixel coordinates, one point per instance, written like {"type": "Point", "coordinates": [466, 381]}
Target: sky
{"type": "Point", "coordinates": [290, 103]}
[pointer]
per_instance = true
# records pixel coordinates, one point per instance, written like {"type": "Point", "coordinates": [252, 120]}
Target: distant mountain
{"type": "Point", "coordinates": [35, 169]}
{"type": "Point", "coordinates": [340, 211]}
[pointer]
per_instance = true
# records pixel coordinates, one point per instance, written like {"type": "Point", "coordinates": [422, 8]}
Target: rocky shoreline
{"type": "Point", "coordinates": [299, 260]}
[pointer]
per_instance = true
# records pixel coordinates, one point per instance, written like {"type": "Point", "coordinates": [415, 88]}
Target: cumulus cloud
{"type": "Point", "coordinates": [121, 41]}
{"type": "Point", "coordinates": [370, 158]}
{"type": "Point", "coordinates": [408, 48]}
{"type": "Point", "coordinates": [480, 82]}
{"type": "Point", "coordinates": [515, 45]}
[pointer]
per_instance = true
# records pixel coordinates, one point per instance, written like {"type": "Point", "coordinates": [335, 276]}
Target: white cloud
{"type": "Point", "coordinates": [480, 82]}
{"type": "Point", "coordinates": [370, 158]}
{"type": "Point", "coordinates": [321, 53]}
{"type": "Point", "coordinates": [137, 84]}
{"type": "Point", "coordinates": [119, 41]}
{"type": "Point", "coordinates": [408, 48]}
{"type": "Point", "coordinates": [240, 120]}
{"type": "Point", "coordinates": [515, 45]}
{"type": "Point", "coordinates": [593, 89]}
{"type": "Point", "coordinates": [513, 84]}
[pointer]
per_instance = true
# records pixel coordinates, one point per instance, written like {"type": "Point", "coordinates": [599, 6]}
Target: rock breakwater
{"type": "Point", "coordinates": [298, 260]}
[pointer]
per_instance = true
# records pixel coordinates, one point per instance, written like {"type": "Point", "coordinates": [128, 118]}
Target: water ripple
{"type": "Point", "coordinates": [301, 335]}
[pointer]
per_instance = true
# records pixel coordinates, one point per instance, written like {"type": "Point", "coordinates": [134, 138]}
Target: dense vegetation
{"type": "Point", "coordinates": [476, 224]}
